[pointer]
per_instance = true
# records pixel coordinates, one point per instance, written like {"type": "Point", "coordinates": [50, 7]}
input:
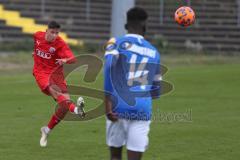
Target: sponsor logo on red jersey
{"type": "Point", "coordinates": [43, 54]}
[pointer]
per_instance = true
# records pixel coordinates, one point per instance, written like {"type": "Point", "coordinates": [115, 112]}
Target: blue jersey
{"type": "Point", "coordinates": [132, 67]}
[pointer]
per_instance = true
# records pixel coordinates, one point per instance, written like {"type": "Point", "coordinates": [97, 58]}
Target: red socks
{"type": "Point", "coordinates": [71, 107]}
{"type": "Point", "coordinates": [64, 105]}
{"type": "Point", "coordinates": [53, 122]}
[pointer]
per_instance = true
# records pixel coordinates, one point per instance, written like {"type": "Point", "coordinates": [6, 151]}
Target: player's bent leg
{"type": "Point", "coordinates": [64, 102]}
{"type": "Point", "coordinates": [116, 153]}
{"type": "Point", "coordinates": [65, 105]}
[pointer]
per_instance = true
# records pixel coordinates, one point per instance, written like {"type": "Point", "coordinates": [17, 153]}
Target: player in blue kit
{"type": "Point", "coordinates": [131, 80]}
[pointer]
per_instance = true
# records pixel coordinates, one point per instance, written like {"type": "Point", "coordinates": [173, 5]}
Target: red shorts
{"type": "Point", "coordinates": [46, 80]}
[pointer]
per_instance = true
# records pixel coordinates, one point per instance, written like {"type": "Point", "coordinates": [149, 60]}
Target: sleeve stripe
{"type": "Point", "coordinates": [113, 52]}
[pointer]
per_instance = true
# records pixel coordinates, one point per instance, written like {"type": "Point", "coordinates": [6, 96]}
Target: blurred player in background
{"type": "Point", "coordinates": [50, 53]}
{"type": "Point", "coordinates": [131, 80]}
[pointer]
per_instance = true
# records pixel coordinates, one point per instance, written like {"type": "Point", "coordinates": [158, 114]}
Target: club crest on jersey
{"type": "Point", "coordinates": [52, 49]}
{"type": "Point", "coordinates": [125, 45]}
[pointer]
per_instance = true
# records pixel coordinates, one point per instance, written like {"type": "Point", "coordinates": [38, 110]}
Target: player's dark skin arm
{"type": "Point", "coordinates": [108, 109]}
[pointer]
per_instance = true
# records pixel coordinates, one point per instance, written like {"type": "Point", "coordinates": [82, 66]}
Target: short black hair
{"type": "Point", "coordinates": [54, 25]}
{"type": "Point", "coordinates": [137, 15]}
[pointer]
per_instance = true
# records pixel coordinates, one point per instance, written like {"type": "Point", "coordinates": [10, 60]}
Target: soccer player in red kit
{"type": "Point", "coordinates": [50, 53]}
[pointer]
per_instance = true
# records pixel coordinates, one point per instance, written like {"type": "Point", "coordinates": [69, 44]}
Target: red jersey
{"type": "Point", "coordinates": [46, 53]}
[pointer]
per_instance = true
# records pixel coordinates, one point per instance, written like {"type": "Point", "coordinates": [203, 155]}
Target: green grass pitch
{"type": "Point", "coordinates": [209, 91]}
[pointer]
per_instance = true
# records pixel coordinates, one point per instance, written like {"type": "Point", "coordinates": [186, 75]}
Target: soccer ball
{"type": "Point", "coordinates": [185, 16]}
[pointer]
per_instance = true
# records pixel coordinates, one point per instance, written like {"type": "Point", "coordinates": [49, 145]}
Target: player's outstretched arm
{"type": "Point", "coordinates": [65, 60]}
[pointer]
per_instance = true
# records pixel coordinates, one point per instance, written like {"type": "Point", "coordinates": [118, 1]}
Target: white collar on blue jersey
{"type": "Point", "coordinates": [135, 35]}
